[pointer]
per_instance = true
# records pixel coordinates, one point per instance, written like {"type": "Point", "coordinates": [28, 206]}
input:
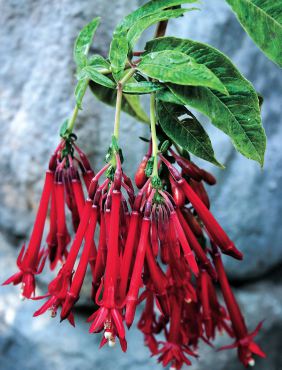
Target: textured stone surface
{"type": "Point", "coordinates": [36, 95]}
{"type": "Point", "coordinates": [60, 346]}
{"type": "Point", "coordinates": [36, 80]}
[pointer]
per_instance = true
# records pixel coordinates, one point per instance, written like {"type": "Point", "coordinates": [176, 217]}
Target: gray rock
{"type": "Point", "coordinates": [37, 83]}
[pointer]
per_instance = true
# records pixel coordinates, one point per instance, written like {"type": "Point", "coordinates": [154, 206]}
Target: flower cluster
{"type": "Point", "coordinates": [159, 248]}
{"type": "Point", "coordinates": [62, 190]}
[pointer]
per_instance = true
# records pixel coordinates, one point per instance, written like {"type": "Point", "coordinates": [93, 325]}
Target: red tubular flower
{"type": "Point", "coordinates": [220, 318]}
{"type": "Point", "coordinates": [200, 190]}
{"type": "Point", "coordinates": [244, 340]}
{"type": "Point", "coordinates": [80, 201]}
{"type": "Point", "coordinates": [147, 324]}
{"type": "Point", "coordinates": [177, 193]}
{"type": "Point", "coordinates": [159, 281]}
{"type": "Point", "coordinates": [208, 177]}
{"type": "Point", "coordinates": [100, 264]}
{"type": "Point", "coordinates": [218, 234]}
{"type": "Point", "coordinates": [87, 171]}
{"type": "Point", "coordinates": [189, 168]}
{"type": "Point", "coordinates": [109, 316]}
{"type": "Point", "coordinates": [136, 280]}
{"type": "Point", "coordinates": [192, 328]}
{"type": "Point", "coordinates": [68, 191]}
{"type": "Point", "coordinates": [58, 288]}
{"type": "Point", "coordinates": [215, 230]}
{"type": "Point", "coordinates": [31, 259]}
{"type": "Point", "coordinates": [140, 175]}
{"type": "Point", "coordinates": [207, 319]}
{"type": "Point", "coordinates": [129, 248]}
{"type": "Point", "coordinates": [179, 275]}
{"type": "Point", "coordinates": [192, 222]}
{"type": "Point", "coordinates": [66, 176]}
{"type": "Point", "coordinates": [51, 239]}
{"type": "Point", "coordinates": [64, 289]}
{"type": "Point", "coordinates": [63, 237]}
{"type": "Point", "coordinates": [199, 252]}
{"type": "Point", "coordinates": [73, 293]}
{"type": "Point", "coordinates": [159, 241]}
{"type": "Point", "coordinates": [173, 351]}
{"type": "Point", "coordinates": [188, 254]}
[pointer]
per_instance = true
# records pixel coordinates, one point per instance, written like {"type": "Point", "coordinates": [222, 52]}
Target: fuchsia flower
{"type": "Point", "coordinates": [58, 189]}
{"type": "Point", "coordinates": [31, 258]}
{"type": "Point", "coordinates": [173, 351]}
{"type": "Point", "coordinates": [154, 247]}
{"type": "Point", "coordinates": [109, 316]}
{"type": "Point", "coordinates": [218, 234]}
{"type": "Point", "coordinates": [160, 225]}
{"type": "Point", "coordinates": [64, 289]}
{"type": "Point", "coordinates": [244, 340]}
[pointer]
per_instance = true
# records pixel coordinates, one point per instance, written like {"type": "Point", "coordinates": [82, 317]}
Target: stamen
{"type": "Point", "coordinates": [111, 343]}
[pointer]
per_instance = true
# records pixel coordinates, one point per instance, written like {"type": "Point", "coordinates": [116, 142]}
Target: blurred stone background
{"type": "Point", "coordinates": [36, 95]}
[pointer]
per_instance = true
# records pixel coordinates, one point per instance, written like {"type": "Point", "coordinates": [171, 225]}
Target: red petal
{"type": "Point", "coordinates": [118, 323]}
{"type": "Point", "coordinates": [15, 279]}
{"type": "Point", "coordinates": [45, 306]}
{"type": "Point", "coordinates": [71, 319]}
{"type": "Point", "coordinates": [99, 319]}
{"type": "Point", "coordinates": [255, 348]}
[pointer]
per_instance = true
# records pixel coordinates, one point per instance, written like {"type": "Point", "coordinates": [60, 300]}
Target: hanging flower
{"type": "Point", "coordinates": [244, 340]}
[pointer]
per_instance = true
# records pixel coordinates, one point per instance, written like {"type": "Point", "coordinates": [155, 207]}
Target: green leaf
{"type": "Point", "coordinates": [108, 96]}
{"type": "Point", "coordinates": [179, 68]}
{"type": "Point", "coordinates": [149, 8]}
{"type": "Point", "coordinates": [100, 63]}
{"type": "Point", "coordinates": [262, 20]}
{"type": "Point", "coordinates": [119, 48]}
{"type": "Point", "coordinates": [83, 42]}
{"type": "Point", "coordinates": [80, 91]}
{"type": "Point", "coordinates": [238, 114]}
{"type": "Point", "coordinates": [186, 132]}
{"type": "Point", "coordinates": [143, 87]}
{"type": "Point", "coordinates": [118, 53]}
{"type": "Point", "coordinates": [141, 25]}
{"type": "Point", "coordinates": [92, 74]}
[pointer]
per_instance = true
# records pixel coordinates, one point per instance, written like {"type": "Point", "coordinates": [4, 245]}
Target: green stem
{"type": "Point", "coordinates": [75, 111]}
{"type": "Point", "coordinates": [154, 135]}
{"type": "Point", "coordinates": [117, 113]}
{"type": "Point", "coordinates": [72, 119]}
{"type": "Point", "coordinates": [120, 85]}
